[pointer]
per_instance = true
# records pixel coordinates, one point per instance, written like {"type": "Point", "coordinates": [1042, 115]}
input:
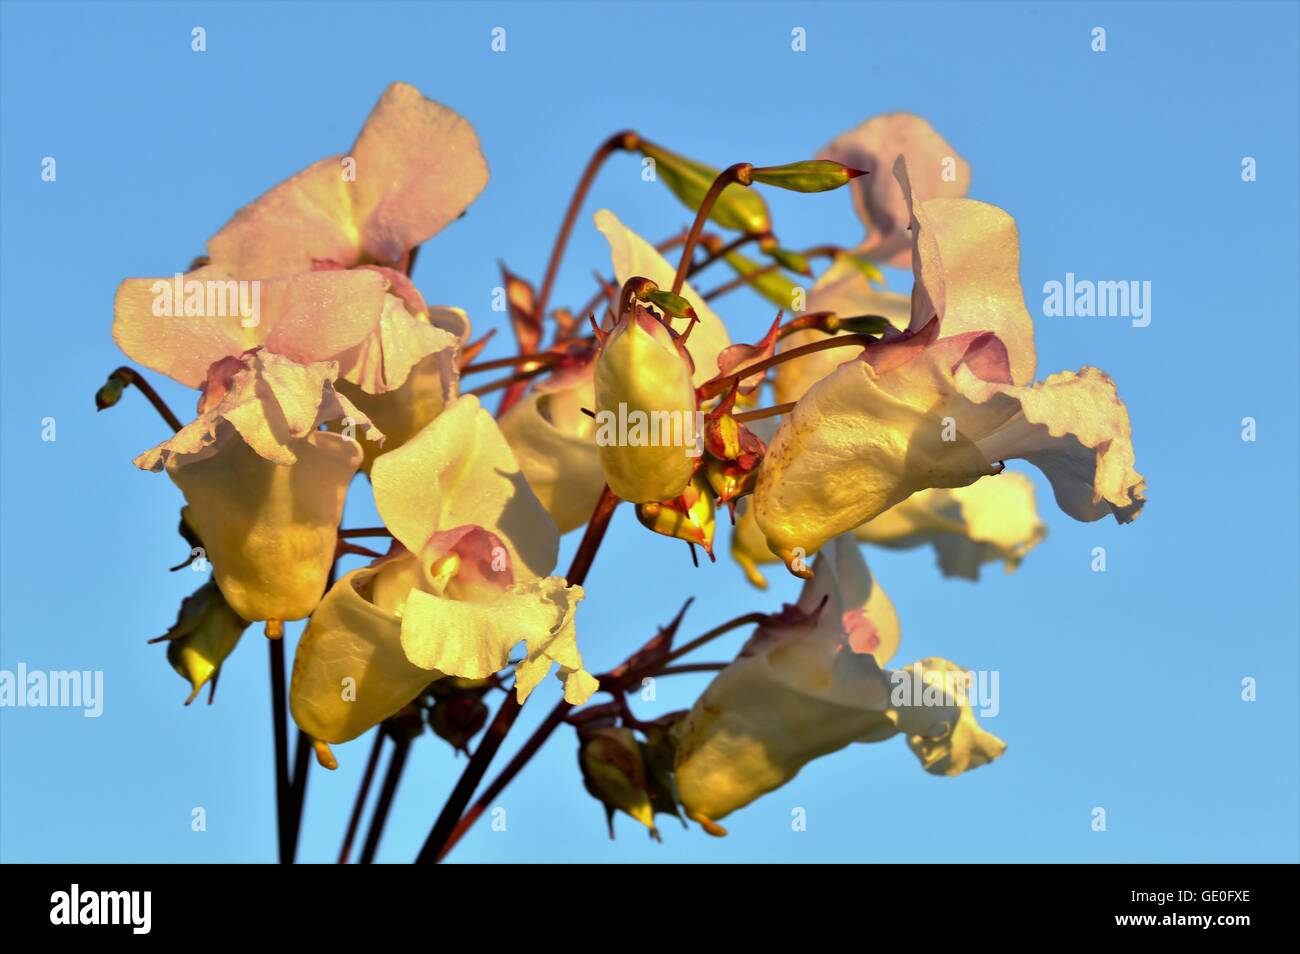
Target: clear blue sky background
{"type": "Point", "coordinates": [1119, 689]}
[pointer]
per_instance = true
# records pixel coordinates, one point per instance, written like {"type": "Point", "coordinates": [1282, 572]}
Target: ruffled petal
{"type": "Point", "coordinates": [473, 639]}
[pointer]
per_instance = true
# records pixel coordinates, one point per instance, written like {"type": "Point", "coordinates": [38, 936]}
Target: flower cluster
{"type": "Point", "coordinates": [316, 358]}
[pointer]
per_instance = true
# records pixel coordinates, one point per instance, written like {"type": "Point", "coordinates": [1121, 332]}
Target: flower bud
{"type": "Point", "coordinates": [457, 716]}
{"type": "Point", "coordinates": [690, 516]}
{"type": "Point", "coordinates": [772, 285]}
{"type": "Point", "coordinates": [643, 395]}
{"type": "Point", "coordinates": [206, 631]}
{"type": "Point", "coordinates": [111, 392]}
{"type": "Point", "coordinates": [738, 207]}
{"type": "Point", "coordinates": [811, 175]}
{"type": "Point", "coordinates": [614, 772]}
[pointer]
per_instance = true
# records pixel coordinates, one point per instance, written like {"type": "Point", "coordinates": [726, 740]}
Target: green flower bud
{"type": "Point", "coordinates": [811, 175]}
{"type": "Point", "coordinates": [206, 631]}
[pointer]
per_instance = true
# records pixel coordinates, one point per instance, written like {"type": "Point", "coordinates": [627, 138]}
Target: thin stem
{"type": "Point", "coordinates": [742, 280]}
{"type": "Point", "coordinates": [302, 759]}
{"type": "Point", "coordinates": [722, 252]}
{"type": "Point", "coordinates": [626, 140]}
{"type": "Point", "coordinates": [363, 793]}
{"type": "Point", "coordinates": [718, 385]}
{"type": "Point", "coordinates": [765, 412]}
{"type": "Point", "coordinates": [530, 748]}
{"type": "Point", "coordinates": [747, 620]}
{"type": "Point", "coordinates": [738, 173]}
{"type": "Point", "coordinates": [281, 725]}
{"type": "Point", "coordinates": [546, 357]}
{"type": "Point", "coordinates": [132, 376]}
{"type": "Point", "coordinates": [365, 532]}
{"type": "Point", "coordinates": [396, 763]}
{"type": "Point", "coordinates": [558, 715]}
{"type": "Point", "coordinates": [435, 846]}
{"type": "Point", "coordinates": [506, 382]}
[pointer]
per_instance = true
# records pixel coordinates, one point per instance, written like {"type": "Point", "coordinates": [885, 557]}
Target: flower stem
{"type": "Point", "coordinates": [765, 412]}
{"type": "Point", "coordinates": [132, 376]}
{"type": "Point", "coordinates": [436, 845]}
{"type": "Point", "coordinates": [365, 532]}
{"type": "Point", "coordinates": [613, 681]}
{"type": "Point", "coordinates": [718, 385]}
{"type": "Point", "coordinates": [626, 140]}
{"type": "Point", "coordinates": [396, 763]}
{"type": "Point", "coordinates": [362, 794]}
{"type": "Point", "coordinates": [279, 719]}
{"type": "Point", "coordinates": [738, 173]}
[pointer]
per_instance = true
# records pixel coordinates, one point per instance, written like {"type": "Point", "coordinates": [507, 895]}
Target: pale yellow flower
{"type": "Point", "coordinates": [264, 487]}
{"type": "Point", "coordinates": [641, 378]}
{"type": "Point", "coordinates": [934, 409]}
{"type": "Point", "coordinates": [992, 520]}
{"type": "Point", "coordinates": [465, 584]}
{"type": "Point", "coordinates": [802, 690]}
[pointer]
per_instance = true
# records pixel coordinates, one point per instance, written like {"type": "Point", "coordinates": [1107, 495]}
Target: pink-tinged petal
{"type": "Point", "coordinates": [966, 261]}
{"type": "Point", "coordinates": [152, 328]}
{"type": "Point", "coordinates": [873, 147]}
{"type": "Point", "coordinates": [418, 167]}
{"type": "Point", "coordinates": [316, 316]}
{"type": "Point", "coordinates": [460, 471]}
{"type": "Point", "coordinates": [737, 357]}
{"type": "Point", "coordinates": [303, 220]}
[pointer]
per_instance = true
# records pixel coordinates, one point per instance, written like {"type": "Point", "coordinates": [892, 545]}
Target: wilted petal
{"type": "Point", "coordinates": [874, 147]}
{"type": "Point", "coordinates": [459, 471]}
{"type": "Point", "coordinates": [993, 519]}
{"type": "Point", "coordinates": [948, 740]}
{"type": "Point", "coordinates": [634, 256]}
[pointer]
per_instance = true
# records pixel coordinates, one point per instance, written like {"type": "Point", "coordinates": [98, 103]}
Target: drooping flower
{"type": "Point", "coordinates": [805, 689]}
{"type": "Point", "coordinates": [264, 487]}
{"type": "Point", "coordinates": [643, 392]}
{"type": "Point", "coordinates": [206, 631]}
{"type": "Point", "coordinates": [992, 520]}
{"type": "Point", "coordinates": [463, 585]}
{"type": "Point", "coordinates": [415, 167]}
{"type": "Point", "coordinates": [874, 147]}
{"type": "Point", "coordinates": [941, 409]}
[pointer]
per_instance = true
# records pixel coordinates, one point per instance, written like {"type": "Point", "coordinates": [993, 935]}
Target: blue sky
{"type": "Point", "coordinates": [1119, 690]}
